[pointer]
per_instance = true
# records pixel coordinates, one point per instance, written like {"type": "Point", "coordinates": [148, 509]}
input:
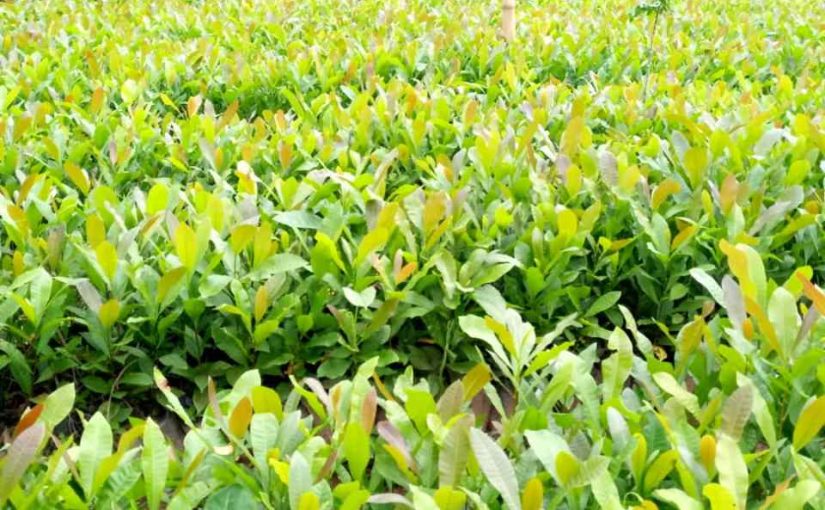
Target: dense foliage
{"type": "Point", "coordinates": [351, 204]}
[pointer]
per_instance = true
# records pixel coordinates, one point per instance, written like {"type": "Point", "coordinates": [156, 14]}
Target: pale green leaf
{"type": "Point", "coordinates": [497, 467]}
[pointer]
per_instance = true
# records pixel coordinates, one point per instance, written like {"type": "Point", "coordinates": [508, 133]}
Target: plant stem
{"type": "Point", "coordinates": [650, 55]}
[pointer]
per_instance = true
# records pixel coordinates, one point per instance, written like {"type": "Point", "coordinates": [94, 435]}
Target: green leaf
{"type": "Point", "coordinates": [263, 434]}
{"type": "Point", "coordinates": [709, 284]}
{"type": "Point", "coordinates": [546, 445]}
{"type": "Point", "coordinates": [95, 445]}
{"type": "Point", "coordinates": [733, 472]}
{"type": "Point", "coordinates": [736, 412]}
{"type": "Point", "coordinates": [496, 466]}
{"type": "Point", "coordinates": [277, 264]}
{"type": "Point", "coordinates": [604, 489]}
{"type": "Point", "coordinates": [688, 400]}
{"type": "Point", "coordinates": [761, 412]}
{"type": "Point", "coordinates": [233, 497]}
{"type": "Point", "coordinates": [355, 500]}
{"type": "Point", "coordinates": [154, 463]}
{"type": "Point", "coordinates": [603, 302]}
{"type": "Point", "coordinates": [422, 500]}
{"type": "Point", "coordinates": [678, 498]}
{"type": "Point", "coordinates": [129, 91]}
{"type": "Point", "coordinates": [356, 445]}
{"type": "Point", "coordinates": [798, 496]}
{"type": "Point", "coordinates": [18, 365]}
{"type": "Point", "coordinates": [454, 452]}
{"type": "Point", "coordinates": [784, 318]}
{"type": "Point", "coordinates": [41, 289]}
{"type": "Point", "coordinates": [58, 405]}
{"type": "Point", "coordinates": [298, 219]}
{"type": "Point", "coordinates": [361, 299]}
{"type": "Point", "coordinates": [300, 479]}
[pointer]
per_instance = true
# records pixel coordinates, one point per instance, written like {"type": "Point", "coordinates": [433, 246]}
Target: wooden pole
{"type": "Point", "coordinates": [508, 19]}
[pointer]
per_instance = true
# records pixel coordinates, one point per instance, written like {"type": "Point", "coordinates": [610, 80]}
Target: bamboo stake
{"type": "Point", "coordinates": [508, 19]}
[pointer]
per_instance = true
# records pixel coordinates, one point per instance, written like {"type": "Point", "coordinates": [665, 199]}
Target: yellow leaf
{"type": "Point", "coordinates": [663, 190]}
{"type": "Point", "coordinates": [374, 240]}
{"type": "Point", "coordinates": [475, 380]}
{"type": "Point", "coordinates": [765, 325]}
{"type": "Point", "coordinates": [696, 161]}
{"type": "Point", "coordinates": [573, 181]}
{"type": "Point", "coordinates": [568, 223]}
{"type": "Point", "coordinates": [240, 418]}
{"type": "Point", "coordinates": [241, 236]}
{"type": "Point", "coordinates": [263, 244]}
{"type": "Point", "coordinates": [285, 153]}
{"type": "Point", "coordinates": [638, 458]}
{"type": "Point", "coordinates": [261, 302]}
{"type": "Point", "coordinates": [168, 280]}
{"type": "Point", "coordinates": [215, 212]}
{"type": "Point", "coordinates": [309, 501]}
{"type": "Point", "coordinates": [683, 235]}
{"type": "Point", "coordinates": [533, 496]}
{"type": "Point", "coordinates": [813, 293]}
{"type": "Point", "coordinates": [266, 400]}
{"type": "Point", "coordinates": [810, 421]}
{"type": "Point", "coordinates": [738, 263]}
{"type": "Point", "coordinates": [158, 198]}
{"type": "Point", "coordinates": [109, 313]}
{"type": "Point", "coordinates": [18, 264]}
{"type": "Point", "coordinates": [567, 467]}
{"type": "Point", "coordinates": [78, 176]}
{"type": "Point", "coordinates": [502, 333]}
{"type": "Point", "coordinates": [794, 285]}
{"type": "Point", "coordinates": [107, 258]}
{"type": "Point", "coordinates": [95, 230]}
{"type": "Point", "coordinates": [193, 105]}
{"type": "Point", "coordinates": [97, 100]}
{"type": "Point", "coordinates": [728, 193]}
{"type": "Point", "coordinates": [281, 469]}
{"type": "Point", "coordinates": [186, 246]}
{"type": "Point", "coordinates": [448, 498]}
{"type": "Point", "coordinates": [386, 218]}
{"type": "Point", "coordinates": [720, 498]}
{"type": "Point", "coordinates": [247, 180]}
{"type": "Point", "coordinates": [659, 469]}
{"type": "Point", "coordinates": [400, 461]}
{"type": "Point", "coordinates": [707, 452]}
{"type": "Point", "coordinates": [405, 272]}
{"type": "Point", "coordinates": [628, 177]}
{"type": "Point", "coordinates": [573, 135]}
{"type": "Point", "coordinates": [26, 306]}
